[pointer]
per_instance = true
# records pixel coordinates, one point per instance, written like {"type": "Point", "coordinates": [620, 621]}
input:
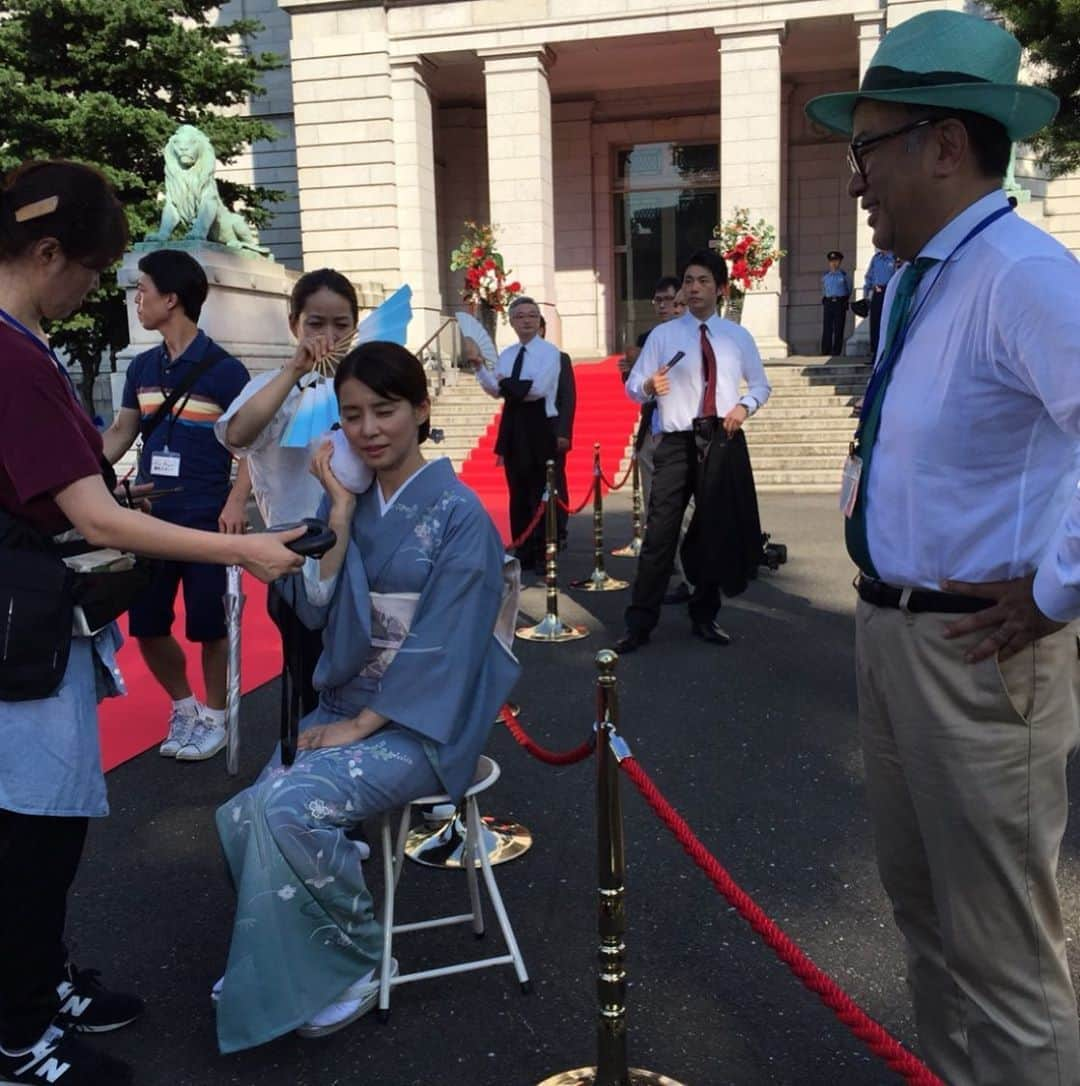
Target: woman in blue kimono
{"type": "Point", "coordinates": [410, 679]}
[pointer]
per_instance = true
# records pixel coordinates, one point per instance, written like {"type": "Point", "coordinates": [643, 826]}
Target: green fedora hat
{"type": "Point", "coordinates": [945, 58]}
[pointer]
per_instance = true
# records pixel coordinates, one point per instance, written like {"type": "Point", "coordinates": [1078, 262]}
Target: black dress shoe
{"type": "Point", "coordinates": [709, 631]}
{"type": "Point", "coordinates": [630, 642]}
{"type": "Point", "coordinates": [678, 595]}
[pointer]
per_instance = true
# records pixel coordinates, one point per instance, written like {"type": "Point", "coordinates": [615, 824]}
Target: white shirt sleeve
{"type": "Point", "coordinates": [753, 373]}
{"type": "Point", "coordinates": [274, 429]}
{"type": "Point", "coordinates": [489, 381]}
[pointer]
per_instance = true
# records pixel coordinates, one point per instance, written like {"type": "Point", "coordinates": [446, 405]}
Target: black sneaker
{"type": "Point", "coordinates": [86, 1006]}
{"type": "Point", "coordinates": [59, 1057]}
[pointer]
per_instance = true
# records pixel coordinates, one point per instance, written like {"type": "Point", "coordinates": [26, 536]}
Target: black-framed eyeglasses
{"type": "Point", "coordinates": [858, 148]}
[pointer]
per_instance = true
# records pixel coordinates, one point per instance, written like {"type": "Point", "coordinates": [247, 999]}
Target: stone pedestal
{"type": "Point", "coordinates": [246, 311]}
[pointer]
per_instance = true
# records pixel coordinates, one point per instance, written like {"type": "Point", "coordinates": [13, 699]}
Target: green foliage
{"type": "Point", "coordinates": [1050, 31]}
{"type": "Point", "coordinates": [108, 82]}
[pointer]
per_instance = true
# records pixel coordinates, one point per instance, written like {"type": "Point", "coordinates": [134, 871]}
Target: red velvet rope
{"type": "Point", "coordinates": [573, 512]}
{"type": "Point", "coordinates": [622, 482]}
{"type": "Point", "coordinates": [532, 525]}
{"type": "Point", "coordinates": [551, 757]}
{"type": "Point", "coordinates": [871, 1033]}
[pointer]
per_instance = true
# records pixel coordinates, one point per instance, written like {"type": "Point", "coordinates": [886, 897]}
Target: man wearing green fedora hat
{"type": "Point", "coordinates": [963, 516]}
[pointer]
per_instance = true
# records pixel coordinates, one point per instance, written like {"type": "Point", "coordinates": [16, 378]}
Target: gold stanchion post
{"type": "Point", "coordinates": [598, 580]}
{"type": "Point", "coordinates": [611, 1065]}
{"type": "Point", "coordinates": [633, 548]}
{"type": "Point", "coordinates": [551, 627]}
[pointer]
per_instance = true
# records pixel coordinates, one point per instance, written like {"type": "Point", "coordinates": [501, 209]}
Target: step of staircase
{"type": "Point", "coordinates": [463, 412]}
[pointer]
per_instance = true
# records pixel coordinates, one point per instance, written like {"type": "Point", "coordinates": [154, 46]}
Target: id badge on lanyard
{"type": "Point", "coordinates": [165, 463]}
{"type": "Point", "coordinates": [849, 483]}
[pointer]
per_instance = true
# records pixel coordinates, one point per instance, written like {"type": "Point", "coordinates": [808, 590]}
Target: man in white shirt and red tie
{"type": "Point", "coordinates": [963, 516]}
{"type": "Point", "coordinates": [694, 366]}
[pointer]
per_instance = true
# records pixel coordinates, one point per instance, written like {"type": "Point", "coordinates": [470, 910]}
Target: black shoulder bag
{"type": "Point", "coordinates": [213, 355]}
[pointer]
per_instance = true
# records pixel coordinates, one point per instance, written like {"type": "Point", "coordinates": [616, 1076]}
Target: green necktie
{"type": "Point", "coordinates": [899, 316]}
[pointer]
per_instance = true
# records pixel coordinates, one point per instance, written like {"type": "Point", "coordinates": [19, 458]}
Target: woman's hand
{"type": "Point", "coordinates": [319, 736]}
{"type": "Point", "coordinates": [341, 498]}
{"type": "Point", "coordinates": [265, 555]}
{"type": "Point", "coordinates": [342, 733]}
{"type": "Point", "coordinates": [308, 352]}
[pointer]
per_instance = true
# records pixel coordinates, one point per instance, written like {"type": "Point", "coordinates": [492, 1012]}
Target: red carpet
{"type": "Point", "coordinates": [132, 724]}
{"type": "Point", "coordinates": [603, 414]}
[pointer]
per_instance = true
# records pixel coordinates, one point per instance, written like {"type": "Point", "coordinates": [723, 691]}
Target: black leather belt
{"type": "Point", "coordinates": [917, 600]}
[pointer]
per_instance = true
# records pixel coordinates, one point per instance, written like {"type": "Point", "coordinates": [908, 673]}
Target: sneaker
{"type": "Point", "coordinates": [205, 740]}
{"type": "Point", "coordinates": [180, 725]}
{"type": "Point", "coordinates": [87, 1006]}
{"type": "Point", "coordinates": [215, 991]}
{"type": "Point", "coordinates": [353, 1003]}
{"type": "Point", "coordinates": [59, 1057]}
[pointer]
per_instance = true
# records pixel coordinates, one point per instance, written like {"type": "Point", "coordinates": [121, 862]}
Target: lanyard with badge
{"type": "Point", "coordinates": [853, 466]}
{"type": "Point", "coordinates": [165, 462]}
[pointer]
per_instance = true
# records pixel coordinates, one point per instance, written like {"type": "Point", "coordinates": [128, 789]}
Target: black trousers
{"type": "Point", "coordinates": [834, 317]}
{"type": "Point", "coordinates": [39, 856]}
{"type": "Point", "coordinates": [526, 482]}
{"type": "Point", "coordinates": [305, 647]}
{"type": "Point", "coordinates": [675, 468]}
{"type": "Point", "coordinates": [877, 301]}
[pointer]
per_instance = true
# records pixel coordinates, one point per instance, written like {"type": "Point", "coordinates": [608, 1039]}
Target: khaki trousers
{"type": "Point", "coordinates": [965, 774]}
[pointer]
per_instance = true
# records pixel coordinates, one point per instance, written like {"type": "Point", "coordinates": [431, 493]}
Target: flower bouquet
{"type": "Point", "coordinates": [488, 288]}
{"type": "Point", "coordinates": [750, 250]}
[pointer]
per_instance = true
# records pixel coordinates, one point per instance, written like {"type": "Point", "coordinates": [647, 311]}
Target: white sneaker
{"type": "Point", "coordinates": [215, 992]}
{"type": "Point", "coordinates": [353, 1003]}
{"type": "Point", "coordinates": [205, 740]}
{"type": "Point", "coordinates": [180, 728]}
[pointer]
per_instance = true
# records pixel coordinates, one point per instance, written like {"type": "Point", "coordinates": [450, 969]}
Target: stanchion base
{"type": "Point", "coordinates": [444, 845]}
{"type": "Point", "coordinates": [551, 628]}
{"type": "Point", "coordinates": [586, 1076]}
{"type": "Point", "coordinates": [631, 550]}
{"type": "Point", "coordinates": [514, 709]}
{"type": "Point", "coordinates": [599, 581]}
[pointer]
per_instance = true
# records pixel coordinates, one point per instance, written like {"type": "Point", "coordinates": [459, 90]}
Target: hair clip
{"type": "Point", "coordinates": [37, 209]}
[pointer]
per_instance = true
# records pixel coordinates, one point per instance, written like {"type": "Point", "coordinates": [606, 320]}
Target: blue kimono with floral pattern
{"type": "Point", "coordinates": [408, 631]}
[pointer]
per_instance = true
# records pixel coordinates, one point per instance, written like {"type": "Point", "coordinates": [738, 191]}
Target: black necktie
{"type": "Point", "coordinates": [515, 373]}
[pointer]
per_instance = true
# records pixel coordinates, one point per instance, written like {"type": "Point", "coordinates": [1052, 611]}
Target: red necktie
{"type": "Point", "coordinates": [708, 375]}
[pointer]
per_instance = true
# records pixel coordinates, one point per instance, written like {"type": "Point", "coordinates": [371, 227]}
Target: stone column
{"type": "Point", "coordinates": [869, 28]}
{"type": "Point", "coordinates": [414, 179]}
{"type": "Point", "coordinates": [520, 169]}
{"type": "Point", "coordinates": [751, 155]}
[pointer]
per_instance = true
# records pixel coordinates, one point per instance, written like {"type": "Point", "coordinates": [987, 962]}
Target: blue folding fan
{"type": "Point", "coordinates": [318, 408]}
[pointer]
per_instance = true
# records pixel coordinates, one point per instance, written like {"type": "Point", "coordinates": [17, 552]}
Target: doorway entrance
{"type": "Point", "coordinates": [666, 201]}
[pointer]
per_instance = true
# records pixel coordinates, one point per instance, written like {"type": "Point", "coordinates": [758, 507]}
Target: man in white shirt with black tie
{"type": "Point", "coordinates": [694, 366]}
{"type": "Point", "coordinates": [963, 516]}
{"type": "Point", "coordinates": [526, 378]}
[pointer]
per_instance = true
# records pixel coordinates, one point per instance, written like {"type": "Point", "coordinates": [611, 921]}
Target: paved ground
{"type": "Point", "coordinates": [754, 744]}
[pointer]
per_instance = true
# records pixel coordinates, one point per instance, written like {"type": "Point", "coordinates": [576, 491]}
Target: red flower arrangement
{"type": "Point", "coordinates": [487, 281]}
{"type": "Point", "coordinates": [749, 249]}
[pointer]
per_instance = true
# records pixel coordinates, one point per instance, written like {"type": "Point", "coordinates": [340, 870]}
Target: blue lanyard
{"type": "Point", "coordinates": [41, 346]}
{"type": "Point", "coordinates": [882, 371]}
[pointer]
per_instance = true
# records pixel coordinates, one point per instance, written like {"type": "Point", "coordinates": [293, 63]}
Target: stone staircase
{"type": "Point", "coordinates": [798, 442]}
{"type": "Point", "coordinates": [462, 411]}
{"type": "Point", "coordinates": [800, 438]}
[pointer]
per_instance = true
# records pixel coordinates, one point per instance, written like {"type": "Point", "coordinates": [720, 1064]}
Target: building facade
{"type": "Point", "coordinates": [604, 139]}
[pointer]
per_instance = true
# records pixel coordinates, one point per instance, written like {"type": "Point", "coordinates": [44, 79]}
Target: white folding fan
{"type": "Point", "coordinates": [472, 329]}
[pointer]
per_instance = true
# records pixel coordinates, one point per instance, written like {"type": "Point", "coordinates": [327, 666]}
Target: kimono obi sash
{"type": "Point", "coordinates": [391, 619]}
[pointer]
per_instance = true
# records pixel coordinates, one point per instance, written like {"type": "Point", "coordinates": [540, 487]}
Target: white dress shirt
{"type": "Point", "coordinates": [541, 366]}
{"type": "Point", "coordinates": [974, 475]}
{"type": "Point", "coordinates": [737, 360]}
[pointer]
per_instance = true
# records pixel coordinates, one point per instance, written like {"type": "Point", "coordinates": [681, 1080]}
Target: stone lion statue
{"type": "Point", "coordinates": [192, 198]}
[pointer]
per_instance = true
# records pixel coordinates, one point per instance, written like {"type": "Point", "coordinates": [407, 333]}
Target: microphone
{"type": "Point", "coordinates": [674, 358]}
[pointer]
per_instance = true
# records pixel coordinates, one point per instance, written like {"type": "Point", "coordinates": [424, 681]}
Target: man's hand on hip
{"type": "Point", "coordinates": [1013, 622]}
